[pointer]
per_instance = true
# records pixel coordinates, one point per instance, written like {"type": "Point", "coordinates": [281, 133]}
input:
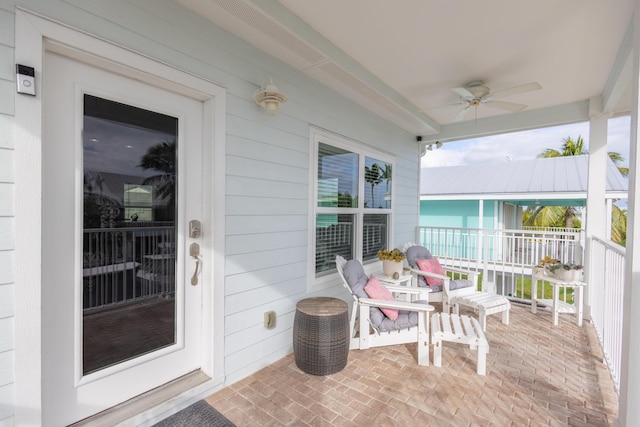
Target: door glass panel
{"type": "Point", "coordinates": [129, 238]}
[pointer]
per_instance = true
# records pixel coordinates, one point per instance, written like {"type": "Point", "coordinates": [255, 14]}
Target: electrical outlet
{"type": "Point", "coordinates": [270, 319]}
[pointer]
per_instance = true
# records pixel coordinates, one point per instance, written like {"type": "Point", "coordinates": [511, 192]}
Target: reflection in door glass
{"type": "Point", "coordinates": [129, 239]}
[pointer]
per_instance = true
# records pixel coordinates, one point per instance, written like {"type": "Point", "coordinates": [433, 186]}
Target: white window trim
{"type": "Point", "coordinates": [316, 136]}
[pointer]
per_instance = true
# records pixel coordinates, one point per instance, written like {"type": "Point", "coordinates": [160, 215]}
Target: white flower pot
{"type": "Point", "coordinates": [568, 275]}
{"type": "Point", "coordinates": [390, 266]}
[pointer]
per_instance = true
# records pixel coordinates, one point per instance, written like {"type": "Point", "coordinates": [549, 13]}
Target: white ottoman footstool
{"type": "Point", "coordinates": [462, 330]}
{"type": "Point", "coordinates": [485, 304]}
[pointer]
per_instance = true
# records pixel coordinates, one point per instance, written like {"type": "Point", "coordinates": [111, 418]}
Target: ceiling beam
{"type": "Point", "coordinates": [524, 120]}
{"type": "Point", "coordinates": [619, 78]}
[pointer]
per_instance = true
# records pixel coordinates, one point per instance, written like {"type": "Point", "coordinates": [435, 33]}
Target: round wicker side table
{"type": "Point", "coordinates": [321, 335]}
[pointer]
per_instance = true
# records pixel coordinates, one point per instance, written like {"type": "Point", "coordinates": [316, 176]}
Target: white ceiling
{"type": "Point", "coordinates": [401, 58]}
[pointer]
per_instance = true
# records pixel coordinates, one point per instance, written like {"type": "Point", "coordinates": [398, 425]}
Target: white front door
{"type": "Point", "coordinates": [121, 303]}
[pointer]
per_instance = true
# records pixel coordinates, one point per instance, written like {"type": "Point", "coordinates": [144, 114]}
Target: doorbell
{"type": "Point", "coordinates": [26, 80]}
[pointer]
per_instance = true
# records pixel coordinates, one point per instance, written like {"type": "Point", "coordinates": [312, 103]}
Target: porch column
{"type": "Point", "coordinates": [628, 409]}
{"type": "Point", "coordinates": [596, 212]}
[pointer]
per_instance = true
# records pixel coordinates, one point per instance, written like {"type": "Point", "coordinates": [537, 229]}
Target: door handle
{"type": "Point", "coordinates": [194, 251]}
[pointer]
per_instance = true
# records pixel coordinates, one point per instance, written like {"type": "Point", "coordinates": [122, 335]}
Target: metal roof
{"type": "Point", "coordinates": [548, 178]}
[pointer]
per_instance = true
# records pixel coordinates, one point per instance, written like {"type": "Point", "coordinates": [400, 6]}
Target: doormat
{"type": "Point", "coordinates": [196, 415]}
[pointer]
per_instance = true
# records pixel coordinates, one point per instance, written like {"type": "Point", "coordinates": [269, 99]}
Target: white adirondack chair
{"type": "Point", "coordinates": [457, 291]}
{"type": "Point", "coordinates": [453, 287]}
{"type": "Point", "coordinates": [369, 327]}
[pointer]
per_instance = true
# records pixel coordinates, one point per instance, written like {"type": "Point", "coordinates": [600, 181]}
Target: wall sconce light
{"type": "Point", "coordinates": [269, 98]}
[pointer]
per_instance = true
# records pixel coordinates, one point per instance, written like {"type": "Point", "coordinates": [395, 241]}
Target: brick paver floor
{"type": "Point", "coordinates": [537, 374]}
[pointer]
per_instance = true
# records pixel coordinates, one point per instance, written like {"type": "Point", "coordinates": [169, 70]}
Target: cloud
{"type": "Point", "coordinates": [523, 145]}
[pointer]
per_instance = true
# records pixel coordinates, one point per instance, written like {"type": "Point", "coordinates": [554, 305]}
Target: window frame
{"type": "Point", "coordinates": [317, 281]}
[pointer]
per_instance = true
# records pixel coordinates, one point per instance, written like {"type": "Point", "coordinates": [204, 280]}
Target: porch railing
{"type": "Point", "coordinates": [504, 257]}
{"type": "Point", "coordinates": [125, 265]}
{"type": "Point", "coordinates": [606, 288]}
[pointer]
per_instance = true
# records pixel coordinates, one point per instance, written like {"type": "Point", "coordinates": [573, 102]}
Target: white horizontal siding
{"type": "Point", "coordinates": [6, 165]}
{"type": "Point", "coordinates": [6, 402]}
{"type": "Point", "coordinates": [6, 368]}
{"type": "Point", "coordinates": [259, 242]}
{"type": "Point", "coordinates": [6, 195]}
{"type": "Point", "coordinates": [6, 131]}
{"type": "Point", "coordinates": [254, 279]}
{"type": "Point", "coordinates": [247, 263]}
{"type": "Point", "coordinates": [243, 186]}
{"type": "Point", "coordinates": [6, 233]}
{"type": "Point", "coordinates": [7, 93]}
{"type": "Point", "coordinates": [7, 27]}
{"type": "Point", "coordinates": [247, 225]}
{"type": "Point", "coordinates": [6, 267]}
{"type": "Point", "coordinates": [6, 311]}
{"type": "Point", "coordinates": [260, 169]}
{"type": "Point", "coordinates": [6, 332]}
{"type": "Point", "coordinates": [7, 72]}
{"type": "Point", "coordinates": [7, 89]}
{"type": "Point", "coordinates": [235, 342]}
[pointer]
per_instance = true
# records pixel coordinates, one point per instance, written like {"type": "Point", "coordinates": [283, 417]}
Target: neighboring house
{"type": "Point", "coordinates": [493, 195]}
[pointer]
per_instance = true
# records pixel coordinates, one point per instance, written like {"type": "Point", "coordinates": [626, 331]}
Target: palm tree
{"type": "Point", "coordinates": [619, 225]}
{"type": "Point", "coordinates": [569, 148]}
{"type": "Point", "coordinates": [162, 158]}
{"type": "Point", "coordinates": [576, 148]}
{"type": "Point", "coordinates": [373, 176]}
{"type": "Point", "coordinates": [564, 216]}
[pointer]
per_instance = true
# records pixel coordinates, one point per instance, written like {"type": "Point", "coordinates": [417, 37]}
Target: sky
{"type": "Point", "coordinates": [525, 145]}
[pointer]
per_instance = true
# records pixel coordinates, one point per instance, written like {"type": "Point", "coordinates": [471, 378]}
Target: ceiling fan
{"type": "Point", "coordinates": [476, 93]}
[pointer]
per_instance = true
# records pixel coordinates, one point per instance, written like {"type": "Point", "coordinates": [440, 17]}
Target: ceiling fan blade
{"type": "Point", "coordinates": [516, 90]}
{"type": "Point", "coordinates": [462, 113]}
{"type": "Point", "coordinates": [507, 106]}
{"type": "Point", "coordinates": [463, 92]}
{"type": "Point", "coordinates": [459, 104]}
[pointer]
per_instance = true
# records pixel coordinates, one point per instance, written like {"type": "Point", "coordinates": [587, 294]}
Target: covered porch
{"type": "Point", "coordinates": [537, 374]}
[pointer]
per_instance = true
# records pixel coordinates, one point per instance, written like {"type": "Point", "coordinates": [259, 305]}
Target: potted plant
{"type": "Point", "coordinates": [391, 261]}
{"type": "Point", "coordinates": [568, 272]}
{"type": "Point", "coordinates": [544, 266]}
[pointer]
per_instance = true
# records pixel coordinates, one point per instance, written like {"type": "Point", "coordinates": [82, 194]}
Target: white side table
{"type": "Point", "coordinates": [557, 305]}
{"type": "Point", "coordinates": [404, 280]}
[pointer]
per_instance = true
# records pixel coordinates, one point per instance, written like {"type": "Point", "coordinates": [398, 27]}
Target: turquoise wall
{"type": "Point", "coordinates": [456, 213]}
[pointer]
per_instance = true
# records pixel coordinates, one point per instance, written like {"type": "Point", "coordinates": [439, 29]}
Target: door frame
{"type": "Point", "coordinates": [34, 34]}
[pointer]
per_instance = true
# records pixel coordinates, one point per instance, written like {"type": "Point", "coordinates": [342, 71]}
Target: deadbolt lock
{"type": "Point", "coordinates": [195, 229]}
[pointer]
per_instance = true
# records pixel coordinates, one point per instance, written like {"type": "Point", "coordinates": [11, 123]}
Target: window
{"type": "Point", "coordinates": [138, 202]}
{"type": "Point", "coordinates": [351, 201]}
